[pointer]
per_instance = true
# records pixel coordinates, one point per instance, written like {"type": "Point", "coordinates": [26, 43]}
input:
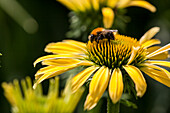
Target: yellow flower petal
{"type": "Point", "coordinates": [159, 51]}
{"type": "Point", "coordinates": [95, 4]}
{"type": "Point", "coordinates": [61, 62]}
{"type": "Point", "coordinates": [78, 4]}
{"type": "Point", "coordinates": [48, 73]}
{"type": "Point", "coordinates": [89, 103]}
{"type": "Point", "coordinates": [134, 51]}
{"type": "Point", "coordinates": [143, 4]}
{"type": "Point", "coordinates": [81, 77]}
{"type": "Point", "coordinates": [86, 4]}
{"type": "Point", "coordinates": [149, 34]}
{"type": "Point", "coordinates": [167, 73]}
{"type": "Point", "coordinates": [62, 47]}
{"type": "Point", "coordinates": [157, 75]}
{"type": "Point", "coordinates": [116, 85]}
{"type": "Point", "coordinates": [157, 62]}
{"type": "Point", "coordinates": [138, 79]}
{"type": "Point", "coordinates": [44, 70]}
{"type": "Point", "coordinates": [49, 57]}
{"type": "Point", "coordinates": [97, 87]}
{"type": "Point", "coordinates": [68, 4]}
{"type": "Point", "coordinates": [66, 62]}
{"type": "Point", "coordinates": [151, 42]}
{"type": "Point", "coordinates": [108, 17]}
{"type": "Point", "coordinates": [76, 43]}
{"type": "Point", "coordinates": [112, 3]}
{"type": "Point", "coordinates": [161, 56]}
{"type": "Point", "coordinates": [123, 3]}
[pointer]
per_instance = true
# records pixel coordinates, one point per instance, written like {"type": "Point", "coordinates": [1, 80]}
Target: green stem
{"type": "Point", "coordinates": [112, 108]}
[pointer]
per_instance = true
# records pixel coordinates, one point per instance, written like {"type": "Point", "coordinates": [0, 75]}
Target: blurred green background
{"type": "Point", "coordinates": [20, 49]}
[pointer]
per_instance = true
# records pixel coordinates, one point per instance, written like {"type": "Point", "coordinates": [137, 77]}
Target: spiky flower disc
{"type": "Point", "coordinates": [114, 53]}
{"type": "Point", "coordinates": [110, 59]}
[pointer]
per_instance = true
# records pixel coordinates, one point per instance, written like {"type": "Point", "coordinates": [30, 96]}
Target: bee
{"type": "Point", "coordinates": [101, 33]}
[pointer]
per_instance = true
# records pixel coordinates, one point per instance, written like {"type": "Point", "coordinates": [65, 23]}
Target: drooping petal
{"type": "Point", "coordinates": [97, 87]}
{"type": "Point", "coordinates": [51, 72]}
{"type": "Point", "coordinates": [138, 79]}
{"type": "Point", "coordinates": [166, 73]}
{"type": "Point", "coordinates": [61, 65]}
{"type": "Point", "coordinates": [160, 56]}
{"type": "Point", "coordinates": [64, 48]}
{"type": "Point", "coordinates": [49, 57]}
{"type": "Point", "coordinates": [81, 77]}
{"type": "Point", "coordinates": [143, 4]}
{"type": "Point", "coordinates": [134, 52]}
{"type": "Point", "coordinates": [157, 62]}
{"type": "Point", "coordinates": [149, 34]}
{"type": "Point", "coordinates": [157, 75]}
{"type": "Point", "coordinates": [116, 85]}
{"type": "Point", "coordinates": [159, 51]}
{"type": "Point", "coordinates": [151, 42]}
{"type": "Point", "coordinates": [108, 17]}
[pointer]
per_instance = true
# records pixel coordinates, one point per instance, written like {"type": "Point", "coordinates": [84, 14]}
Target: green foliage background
{"type": "Point", "coordinates": [20, 49]}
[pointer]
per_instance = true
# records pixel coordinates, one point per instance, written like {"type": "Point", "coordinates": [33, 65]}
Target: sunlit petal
{"type": "Point", "coordinates": [108, 17]}
{"type": "Point", "coordinates": [134, 52]}
{"type": "Point", "coordinates": [143, 4]}
{"type": "Point", "coordinates": [61, 47]}
{"type": "Point", "coordinates": [61, 62]}
{"type": "Point", "coordinates": [97, 87]}
{"type": "Point", "coordinates": [50, 57]}
{"type": "Point", "coordinates": [138, 79]}
{"type": "Point", "coordinates": [167, 73]}
{"type": "Point", "coordinates": [150, 43]}
{"type": "Point", "coordinates": [76, 43]}
{"type": "Point", "coordinates": [68, 4]}
{"type": "Point", "coordinates": [160, 56]}
{"type": "Point", "coordinates": [48, 73]}
{"type": "Point", "coordinates": [149, 34]}
{"type": "Point", "coordinates": [157, 75]}
{"type": "Point", "coordinates": [78, 4]}
{"type": "Point", "coordinates": [123, 3]}
{"type": "Point", "coordinates": [161, 63]}
{"type": "Point", "coordinates": [116, 85]}
{"type": "Point", "coordinates": [159, 51]}
{"type": "Point", "coordinates": [81, 77]}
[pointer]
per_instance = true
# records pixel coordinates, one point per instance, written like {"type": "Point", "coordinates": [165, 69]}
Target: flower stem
{"type": "Point", "coordinates": [112, 108]}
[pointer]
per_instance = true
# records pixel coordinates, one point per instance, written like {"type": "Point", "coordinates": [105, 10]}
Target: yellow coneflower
{"type": "Point", "coordinates": [111, 60]}
{"type": "Point", "coordinates": [27, 100]}
{"type": "Point", "coordinates": [107, 7]}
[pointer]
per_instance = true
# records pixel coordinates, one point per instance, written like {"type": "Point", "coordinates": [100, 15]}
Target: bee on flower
{"type": "Point", "coordinates": [111, 60]}
{"type": "Point", "coordinates": [93, 13]}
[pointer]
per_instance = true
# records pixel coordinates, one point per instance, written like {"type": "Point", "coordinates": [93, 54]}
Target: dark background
{"type": "Point", "coordinates": [21, 49]}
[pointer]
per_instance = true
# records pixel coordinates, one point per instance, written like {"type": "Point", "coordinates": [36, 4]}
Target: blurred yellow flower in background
{"type": "Point", "coordinates": [111, 60]}
{"type": "Point", "coordinates": [27, 100]}
{"type": "Point", "coordinates": [107, 7]}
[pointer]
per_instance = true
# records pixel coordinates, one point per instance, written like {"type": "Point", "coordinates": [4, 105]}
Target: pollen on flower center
{"type": "Point", "coordinates": [114, 53]}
